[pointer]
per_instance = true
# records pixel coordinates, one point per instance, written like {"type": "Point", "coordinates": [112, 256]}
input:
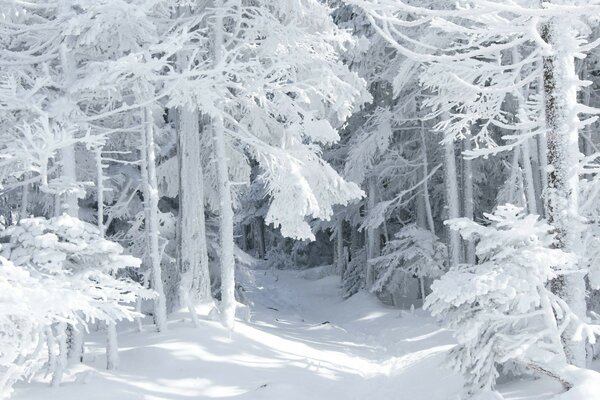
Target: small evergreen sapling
{"type": "Point", "coordinates": [501, 308]}
{"type": "Point", "coordinates": [414, 252]}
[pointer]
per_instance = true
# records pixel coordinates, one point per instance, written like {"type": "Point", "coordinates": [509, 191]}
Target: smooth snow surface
{"type": "Point", "coordinates": [302, 342]}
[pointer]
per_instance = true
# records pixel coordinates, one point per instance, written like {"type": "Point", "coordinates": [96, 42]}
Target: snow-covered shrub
{"type": "Point", "coordinates": [501, 308]}
{"type": "Point", "coordinates": [53, 272]}
{"type": "Point", "coordinates": [415, 252]}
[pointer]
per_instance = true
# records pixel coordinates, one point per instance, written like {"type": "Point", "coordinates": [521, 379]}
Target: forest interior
{"type": "Point", "coordinates": [299, 199]}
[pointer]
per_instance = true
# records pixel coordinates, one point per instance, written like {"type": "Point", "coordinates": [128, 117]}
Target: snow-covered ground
{"type": "Point", "coordinates": [302, 342]}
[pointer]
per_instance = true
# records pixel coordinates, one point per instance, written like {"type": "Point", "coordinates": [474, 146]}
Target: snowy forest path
{"type": "Point", "coordinates": [303, 341]}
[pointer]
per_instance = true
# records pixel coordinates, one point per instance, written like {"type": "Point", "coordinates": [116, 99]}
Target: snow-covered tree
{"type": "Point", "coordinates": [414, 252]}
{"type": "Point", "coordinates": [502, 308]}
{"type": "Point", "coordinates": [74, 271]}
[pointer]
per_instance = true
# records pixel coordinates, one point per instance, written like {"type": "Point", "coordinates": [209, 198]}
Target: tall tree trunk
{"type": "Point", "coordinates": [70, 205]}
{"type": "Point", "coordinates": [451, 184]}
{"type": "Point", "coordinates": [193, 253]}
{"type": "Point", "coordinates": [542, 149]}
{"type": "Point", "coordinates": [112, 346]}
{"type": "Point", "coordinates": [151, 211]}
{"type": "Point", "coordinates": [372, 233]}
{"type": "Point", "coordinates": [228, 303]}
{"type": "Point", "coordinates": [560, 101]}
{"type": "Point", "coordinates": [426, 196]}
{"type": "Point", "coordinates": [468, 202]}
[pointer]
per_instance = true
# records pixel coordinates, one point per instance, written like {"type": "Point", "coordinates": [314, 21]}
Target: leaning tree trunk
{"type": "Point", "coordinates": [426, 196]}
{"type": "Point", "coordinates": [148, 165]}
{"type": "Point", "coordinates": [193, 253]}
{"type": "Point", "coordinates": [562, 122]}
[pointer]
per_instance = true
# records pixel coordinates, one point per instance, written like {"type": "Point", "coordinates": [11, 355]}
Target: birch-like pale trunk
{"type": "Point", "coordinates": [112, 345]}
{"type": "Point", "coordinates": [451, 185]}
{"type": "Point", "coordinates": [148, 165]}
{"type": "Point", "coordinates": [228, 303]}
{"type": "Point", "coordinates": [562, 124]}
{"type": "Point", "coordinates": [530, 195]}
{"type": "Point", "coordinates": [192, 249]}
{"type": "Point", "coordinates": [468, 202]}
{"type": "Point", "coordinates": [69, 204]}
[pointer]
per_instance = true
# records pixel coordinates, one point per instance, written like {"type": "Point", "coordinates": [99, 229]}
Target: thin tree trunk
{"type": "Point", "coordinates": [112, 346]}
{"type": "Point", "coordinates": [259, 229]}
{"type": "Point", "coordinates": [76, 344]}
{"type": "Point", "coordinates": [339, 235]}
{"type": "Point", "coordinates": [530, 186]}
{"type": "Point", "coordinates": [426, 196]}
{"type": "Point", "coordinates": [69, 205]}
{"type": "Point", "coordinates": [468, 202]}
{"type": "Point", "coordinates": [560, 101]}
{"type": "Point", "coordinates": [514, 173]}
{"type": "Point", "coordinates": [151, 212]}
{"type": "Point", "coordinates": [451, 184]}
{"type": "Point", "coordinates": [24, 201]}
{"type": "Point", "coordinates": [372, 233]}
{"type": "Point", "coordinates": [542, 149]}
{"type": "Point", "coordinates": [530, 195]}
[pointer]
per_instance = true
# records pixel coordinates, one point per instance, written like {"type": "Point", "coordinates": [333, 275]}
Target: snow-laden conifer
{"type": "Point", "coordinates": [502, 308]}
